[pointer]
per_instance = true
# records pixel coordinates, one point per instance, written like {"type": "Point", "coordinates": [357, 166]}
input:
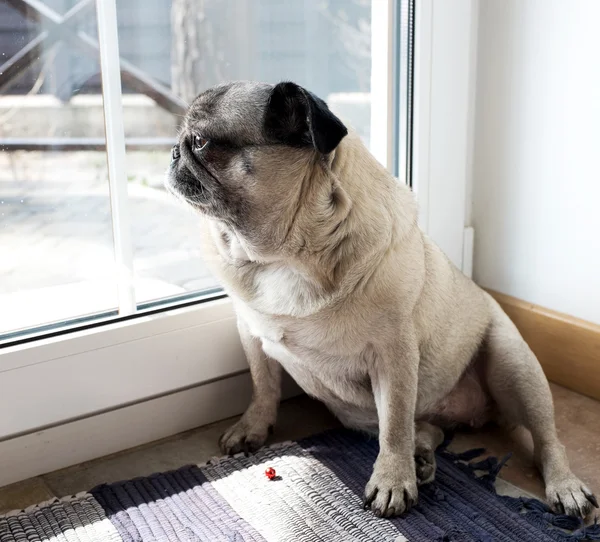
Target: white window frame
{"type": "Point", "coordinates": [85, 394]}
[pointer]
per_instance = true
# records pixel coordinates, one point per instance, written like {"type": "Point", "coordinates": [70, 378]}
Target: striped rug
{"type": "Point", "coordinates": [315, 497]}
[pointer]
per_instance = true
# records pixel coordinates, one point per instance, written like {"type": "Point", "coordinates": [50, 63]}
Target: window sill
{"type": "Point", "coordinates": [53, 381]}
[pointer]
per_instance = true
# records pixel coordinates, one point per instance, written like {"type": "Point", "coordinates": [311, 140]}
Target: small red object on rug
{"type": "Point", "coordinates": [270, 473]}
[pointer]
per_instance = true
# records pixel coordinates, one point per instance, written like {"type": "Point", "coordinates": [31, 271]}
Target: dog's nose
{"type": "Point", "coordinates": [175, 154]}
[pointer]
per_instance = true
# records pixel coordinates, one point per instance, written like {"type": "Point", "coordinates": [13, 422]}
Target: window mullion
{"type": "Point", "coordinates": [115, 148]}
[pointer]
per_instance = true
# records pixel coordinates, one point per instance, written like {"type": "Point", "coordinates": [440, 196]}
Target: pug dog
{"type": "Point", "coordinates": [332, 280]}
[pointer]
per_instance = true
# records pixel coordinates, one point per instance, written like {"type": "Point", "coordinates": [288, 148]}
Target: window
{"type": "Point", "coordinates": [90, 235]}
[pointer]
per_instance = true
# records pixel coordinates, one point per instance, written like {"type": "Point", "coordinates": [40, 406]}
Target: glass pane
{"type": "Point", "coordinates": [173, 49]}
{"type": "Point", "coordinates": [56, 244]}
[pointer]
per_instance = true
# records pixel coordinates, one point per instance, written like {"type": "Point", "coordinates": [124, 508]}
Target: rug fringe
{"type": "Point", "coordinates": [45, 504]}
{"type": "Point", "coordinates": [215, 460]}
{"type": "Point", "coordinates": [564, 528]}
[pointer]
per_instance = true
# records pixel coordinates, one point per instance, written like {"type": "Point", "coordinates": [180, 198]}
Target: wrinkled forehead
{"type": "Point", "coordinates": [233, 112]}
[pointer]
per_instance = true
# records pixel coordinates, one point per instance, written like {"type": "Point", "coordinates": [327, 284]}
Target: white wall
{"type": "Point", "coordinates": [536, 158]}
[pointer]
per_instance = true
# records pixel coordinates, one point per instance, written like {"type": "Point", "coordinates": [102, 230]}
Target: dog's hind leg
{"type": "Point", "coordinates": [427, 438]}
{"type": "Point", "coordinates": [520, 389]}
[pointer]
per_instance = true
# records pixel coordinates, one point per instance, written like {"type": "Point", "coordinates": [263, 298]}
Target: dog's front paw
{"type": "Point", "coordinates": [569, 496]}
{"type": "Point", "coordinates": [247, 435]}
{"type": "Point", "coordinates": [392, 489]}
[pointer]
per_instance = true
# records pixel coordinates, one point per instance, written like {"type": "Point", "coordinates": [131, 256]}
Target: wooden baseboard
{"type": "Point", "coordinates": [568, 348]}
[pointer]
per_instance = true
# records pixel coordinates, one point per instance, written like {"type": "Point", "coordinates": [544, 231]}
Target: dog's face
{"type": "Point", "coordinates": [243, 149]}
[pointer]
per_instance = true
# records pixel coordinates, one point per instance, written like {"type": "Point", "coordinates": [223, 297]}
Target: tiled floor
{"type": "Point", "coordinates": [576, 419]}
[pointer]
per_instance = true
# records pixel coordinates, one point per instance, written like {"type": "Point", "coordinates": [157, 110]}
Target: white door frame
{"type": "Point", "coordinates": [443, 113]}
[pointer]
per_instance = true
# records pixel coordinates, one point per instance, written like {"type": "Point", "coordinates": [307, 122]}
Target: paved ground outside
{"type": "Point", "coordinates": [56, 241]}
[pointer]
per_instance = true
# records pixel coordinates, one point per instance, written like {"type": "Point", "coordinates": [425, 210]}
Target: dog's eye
{"type": "Point", "coordinates": [199, 143]}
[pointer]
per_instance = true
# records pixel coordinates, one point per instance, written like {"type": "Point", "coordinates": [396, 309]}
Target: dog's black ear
{"type": "Point", "coordinates": [297, 117]}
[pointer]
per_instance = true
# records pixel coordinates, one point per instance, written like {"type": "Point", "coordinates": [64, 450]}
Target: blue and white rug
{"type": "Point", "coordinates": [316, 496]}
